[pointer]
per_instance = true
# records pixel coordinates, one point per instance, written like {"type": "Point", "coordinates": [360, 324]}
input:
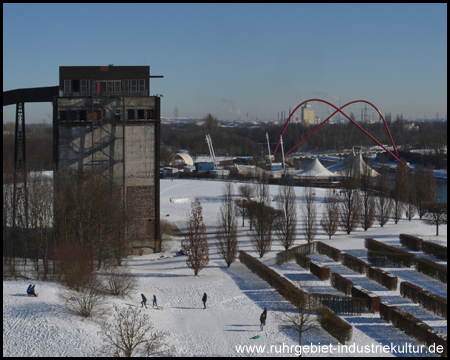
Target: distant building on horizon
{"type": "Point", "coordinates": [307, 114]}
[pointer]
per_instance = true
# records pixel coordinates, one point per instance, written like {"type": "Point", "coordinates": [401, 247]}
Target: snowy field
{"type": "Point", "coordinates": [236, 297]}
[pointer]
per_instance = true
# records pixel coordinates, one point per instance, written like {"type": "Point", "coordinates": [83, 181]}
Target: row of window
{"type": "Point", "coordinates": [83, 115]}
{"type": "Point", "coordinates": [104, 86]}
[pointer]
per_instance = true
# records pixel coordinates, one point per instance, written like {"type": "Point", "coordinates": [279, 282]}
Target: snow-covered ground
{"type": "Point", "coordinates": [236, 297]}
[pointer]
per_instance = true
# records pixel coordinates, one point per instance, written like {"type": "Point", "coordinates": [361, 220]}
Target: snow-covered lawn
{"type": "Point", "coordinates": [236, 297]}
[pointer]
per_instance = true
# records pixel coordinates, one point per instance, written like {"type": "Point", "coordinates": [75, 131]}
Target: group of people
{"type": "Point", "coordinates": [262, 318]}
{"type": "Point", "coordinates": [31, 291]}
{"type": "Point", "coordinates": [144, 301]}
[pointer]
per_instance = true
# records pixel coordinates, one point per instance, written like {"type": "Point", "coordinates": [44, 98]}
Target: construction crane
{"type": "Point", "coordinates": [211, 150]}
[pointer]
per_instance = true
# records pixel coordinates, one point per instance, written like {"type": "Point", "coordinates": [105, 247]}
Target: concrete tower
{"type": "Point", "coordinates": [105, 121]}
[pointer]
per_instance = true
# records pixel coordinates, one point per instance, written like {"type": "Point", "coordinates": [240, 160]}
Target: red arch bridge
{"type": "Point", "coordinates": [396, 156]}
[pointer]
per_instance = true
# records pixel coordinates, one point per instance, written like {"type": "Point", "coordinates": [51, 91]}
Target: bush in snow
{"type": "Point", "coordinates": [119, 280]}
{"type": "Point", "coordinates": [86, 301]}
{"type": "Point", "coordinates": [131, 333]}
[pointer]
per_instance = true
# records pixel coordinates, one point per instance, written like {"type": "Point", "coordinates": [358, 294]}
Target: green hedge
{"type": "Point", "coordinates": [432, 269]}
{"type": "Point", "coordinates": [331, 252]}
{"type": "Point", "coordinates": [411, 242]}
{"type": "Point", "coordinates": [335, 325]}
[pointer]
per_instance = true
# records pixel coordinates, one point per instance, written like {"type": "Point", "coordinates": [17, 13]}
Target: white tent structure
{"type": "Point", "coordinates": [316, 170]}
{"type": "Point", "coordinates": [342, 167]}
{"type": "Point", "coordinates": [182, 159]}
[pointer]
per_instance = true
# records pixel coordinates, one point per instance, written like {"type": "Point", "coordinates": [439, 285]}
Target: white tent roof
{"type": "Point", "coordinates": [357, 159]}
{"type": "Point", "coordinates": [185, 157]}
{"type": "Point", "coordinates": [315, 169]}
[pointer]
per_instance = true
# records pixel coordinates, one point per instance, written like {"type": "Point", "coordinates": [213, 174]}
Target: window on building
{"type": "Point", "coordinates": [126, 85]}
{"type": "Point", "coordinates": [72, 115]}
{"type": "Point", "coordinates": [133, 85]}
{"type": "Point", "coordinates": [131, 114]}
{"type": "Point", "coordinates": [83, 84]}
{"type": "Point", "coordinates": [63, 115]}
{"type": "Point", "coordinates": [141, 115]}
{"type": "Point", "coordinates": [117, 86]}
{"type": "Point", "coordinates": [90, 87]}
{"type": "Point", "coordinates": [150, 114]}
{"type": "Point", "coordinates": [141, 85]}
{"type": "Point", "coordinates": [83, 115]}
{"type": "Point", "coordinates": [67, 86]}
{"type": "Point", "coordinates": [109, 86]}
{"type": "Point", "coordinates": [76, 85]}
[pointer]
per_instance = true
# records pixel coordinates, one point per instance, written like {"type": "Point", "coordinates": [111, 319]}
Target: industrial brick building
{"type": "Point", "coordinates": [105, 121]}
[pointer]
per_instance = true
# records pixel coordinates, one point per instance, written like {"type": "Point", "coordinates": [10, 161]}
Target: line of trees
{"type": "Point", "coordinates": [363, 200]}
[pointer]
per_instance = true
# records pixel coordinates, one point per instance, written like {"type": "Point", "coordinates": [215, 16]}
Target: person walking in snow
{"type": "Point", "coordinates": [262, 320]}
{"type": "Point", "coordinates": [204, 298]}
{"type": "Point", "coordinates": [265, 316]}
{"type": "Point", "coordinates": [144, 301]}
{"type": "Point", "coordinates": [154, 301]}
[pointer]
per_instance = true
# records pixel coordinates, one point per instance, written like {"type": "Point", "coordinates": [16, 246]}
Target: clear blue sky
{"type": "Point", "coordinates": [230, 59]}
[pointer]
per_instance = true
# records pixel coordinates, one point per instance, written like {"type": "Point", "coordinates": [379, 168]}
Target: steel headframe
{"type": "Point", "coordinates": [396, 156]}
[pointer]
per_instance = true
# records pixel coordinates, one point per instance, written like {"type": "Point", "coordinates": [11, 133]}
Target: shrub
{"type": "Point", "coordinates": [386, 311]}
{"type": "Point", "coordinates": [392, 259]}
{"type": "Point", "coordinates": [432, 269]}
{"type": "Point", "coordinates": [435, 250]}
{"type": "Point", "coordinates": [341, 283]}
{"type": "Point", "coordinates": [382, 277]}
{"type": "Point", "coordinates": [353, 263]}
{"type": "Point", "coordinates": [411, 242]}
{"type": "Point", "coordinates": [335, 325]}
{"type": "Point", "coordinates": [74, 265]}
{"type": "Point", "coordinates": [410, 291]}
{"type": "Point", "coordinates": [321, 271]}
{"type": "Point", "coordinates": [86, 301]}
{"type": "Point", "coordinates": [373, 301]}
{"type": "Point", "coordinates": [303, 261]}
{"type": "Point", "coordinates": [119, 280]}
{"type": "Point", "coordinates": [329, 251]}
{"type": "Point", "coordinates": [289, 255]}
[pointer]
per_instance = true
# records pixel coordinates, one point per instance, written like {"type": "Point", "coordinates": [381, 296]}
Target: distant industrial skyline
{"type": "Point", "coordinates": [231, 60]}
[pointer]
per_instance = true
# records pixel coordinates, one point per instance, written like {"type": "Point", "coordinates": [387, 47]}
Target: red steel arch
{"type": "Point", "coordinates": [329, 117]}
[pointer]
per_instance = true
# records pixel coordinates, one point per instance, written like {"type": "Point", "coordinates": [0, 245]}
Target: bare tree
{"type": "Point", "coordinates": [350, 210]}
{"type": "Point", "coordinates": [246, 191]}
{"type": "Point", "coordinates": [435, 214]}
{"type": "Point", "coordinates": [227, 245]}
{"type": "Point", "coordinates": [262, 218]}
{"type": "Point", "coordinates": [424, 186]}
{"type": "Point", "coordinates": [195, 245]}
{"type": "Point", "coordinates": [367, 199]}
{"type": "Point", "coordinates": [383, 203]}
{"type": "Point", "coordinates": [330, 218]}
{"type": "Point", "coordinates": [401, 190]}
{"type": "Point", "coordinates": [309, 211]}
{"type": "Point", "coordinates": [411, 208]}
{"type": "Point", "coordinates": [131, 333]}
{"type": "Point", "coordinates": [286, 222]}
{"type": "Point", "coordinates": [302, 319]}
